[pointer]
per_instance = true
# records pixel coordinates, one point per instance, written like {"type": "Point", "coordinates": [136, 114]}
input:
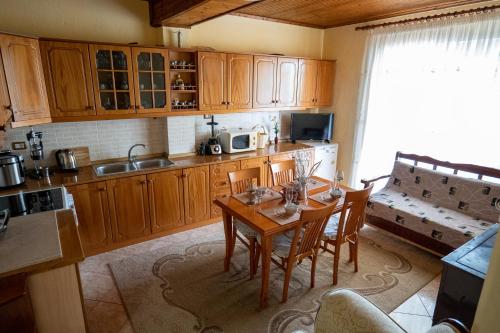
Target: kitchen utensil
{"type": "Point", "coordinates": [36, 152]}
{"type": "Point", "coordinates": [66, 160]}
{"type": "Point", "coordinates": [12, 171]}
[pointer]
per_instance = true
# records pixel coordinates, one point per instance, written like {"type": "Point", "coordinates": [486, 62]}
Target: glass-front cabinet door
{"type": "Point", "coordinates": [113, 79]}
{"type": "Point", "coordinates": [150, 74]}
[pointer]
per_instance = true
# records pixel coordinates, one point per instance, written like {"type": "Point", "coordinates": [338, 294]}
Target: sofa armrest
{"type": "Point", "coordinates": [345, 311]}
{"type": "Point", "coordinates": [367, 183]}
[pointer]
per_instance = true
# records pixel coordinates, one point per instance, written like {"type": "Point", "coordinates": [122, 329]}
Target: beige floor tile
{"type": "Point", "coordinates": [412, 323]}
{"type": "Point", "coordinates": [99, 287]}
{"type": "Point", "coordinates": [105, 317]}
{"type": "Point", "coordinates": [429, 300]}
{"type": "Point", "coordinates": [412, 305]}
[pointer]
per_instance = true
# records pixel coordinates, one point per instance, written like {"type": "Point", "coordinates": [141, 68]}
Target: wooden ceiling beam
{"type": "Point", "coordinates": [159, 10]}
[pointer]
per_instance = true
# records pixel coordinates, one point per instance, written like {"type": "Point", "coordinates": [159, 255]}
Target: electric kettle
{"type": "Point", "coordinates": [66, 160]}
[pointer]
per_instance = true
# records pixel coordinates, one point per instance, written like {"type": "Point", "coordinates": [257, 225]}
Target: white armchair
{"type": "Point", "coordinates": [344, 311]}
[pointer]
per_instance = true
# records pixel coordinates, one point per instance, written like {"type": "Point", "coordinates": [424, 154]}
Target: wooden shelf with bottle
{"type": "Point", "coordinates": [183, 80]}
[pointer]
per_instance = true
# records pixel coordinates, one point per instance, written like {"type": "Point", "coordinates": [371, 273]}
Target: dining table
{"type": "Point", "coordinates": [252, 216]}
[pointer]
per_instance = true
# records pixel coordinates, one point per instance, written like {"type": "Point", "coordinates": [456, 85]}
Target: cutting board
{"type": "Point", "coordinates": [82, 156]}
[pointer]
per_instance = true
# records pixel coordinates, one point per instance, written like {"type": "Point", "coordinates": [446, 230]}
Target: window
{"type": "Point", "coordinates": [430, 89]}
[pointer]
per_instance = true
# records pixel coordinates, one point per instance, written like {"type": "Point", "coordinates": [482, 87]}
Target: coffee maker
{"type": "Point", "coordinates": [36, 153]}
{"type": "Point", "coordinates": [212, 147]}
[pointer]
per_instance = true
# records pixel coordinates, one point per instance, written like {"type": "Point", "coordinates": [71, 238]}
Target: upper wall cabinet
{"type": "Point", "coordinates": [24, 80]}
{"type": "Point", "coordinates": [150, 75]}
{"type": "Point", "coordinates": [275, 82]}
{"type": "Point", "coordinates": [225, 81]}
{"type": "Point", "coordinates": [315, 82]}
{"type": "Point", "coordinates": [112, 76]}
{"type": "Point", "coordinates": [68, 78]}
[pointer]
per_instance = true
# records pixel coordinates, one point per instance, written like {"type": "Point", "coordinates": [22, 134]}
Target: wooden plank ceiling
{"type": "Point", "coordinates": [312, 13]}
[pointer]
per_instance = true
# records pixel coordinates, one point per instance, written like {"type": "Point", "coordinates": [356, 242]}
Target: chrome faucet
{"type": "Point", "coordinates": [131, 158]}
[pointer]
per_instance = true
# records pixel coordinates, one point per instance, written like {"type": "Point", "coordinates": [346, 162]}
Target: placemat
{"type": "Point", "coordinates": [277, 214]}
{"type": "Point", "coordinates": [313, 184]}
{"type": "Point", "coordinates": [325, 198]}
{"type": "Point", "coordinates": [268, 196]}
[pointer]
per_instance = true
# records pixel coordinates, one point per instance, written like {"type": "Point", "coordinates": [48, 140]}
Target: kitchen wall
{"type": "Point", "coordinates": [105, 139]}
{"type": "Point", "coordinates": [186, 133]}
{"type": "Point", "coordinates": [347, 46]}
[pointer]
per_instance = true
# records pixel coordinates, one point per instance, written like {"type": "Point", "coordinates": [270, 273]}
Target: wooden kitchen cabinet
{"type": "Point", "coordinates": [324, 83]}
{"type": "Point", "coordinates": [225, 81]}
{"type": "Point", "coordinates": [212, 80]}
{"type": "Point", "coordinates": [166, 200]}
{"type": "Point", "coordinates": [316, 78]}
{"type": "Point", "coordinates": [24, 80]}
{"type": "Point", "coordinates": [260, 162]}
{"type": "Point", "coordinates": [239, 81]}
{"type": "Point", "coordinates": [152, 91]}
{"type": "Point", "coordinates": [264, 81]}
{"type": "Point", "coordinates": [112, 77]}
{"type": "Point", "coordinates": [219, 184]}
{"type": "Point", "coordinates": [129, 207]}
{"type": "Point", "coordinates": [275, 82]}
{"type": "Point", "coordinates": [308, 72]}
{"type": "Point", "coordinates": [68, 78]}
{"type": "Point", "coordinates": [286, 82]}
{"type": "Point", "coordinates": [5, 106]}
{"type": "Point", "coordinates": [92, 210]}
{"type": "Point", "coordinates": [196, 185]}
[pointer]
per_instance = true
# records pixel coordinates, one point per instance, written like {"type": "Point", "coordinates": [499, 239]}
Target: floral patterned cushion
{"type": "Point", "coordinates": [448, 208]}
{"type": "Point", "coordinates": [331, 227]}
{"type": "Point", "coordinates": [244, 229]}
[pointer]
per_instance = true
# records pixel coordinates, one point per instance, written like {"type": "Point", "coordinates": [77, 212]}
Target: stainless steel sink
{"type": "Point", "coordinates": [123, 167]}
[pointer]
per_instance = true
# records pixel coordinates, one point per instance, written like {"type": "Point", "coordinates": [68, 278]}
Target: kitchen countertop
{"type": "Point", "coordinates": [53, 242]}
{"type": "Point", "coordinates": [87, 175]}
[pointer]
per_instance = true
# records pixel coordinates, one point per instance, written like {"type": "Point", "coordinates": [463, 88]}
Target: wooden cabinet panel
{"type": "Point", "coordinates": [239, 81]}
{"type": "Point", "coordinates": [218, 174]}
{"type": "Point", "coordinates": [212, 80]}
{"type": "Point", "coordinates": [92, 210]}
{"type": "Point", "coordinates": [5, 105]}
{"type": "Point", "coordinates": [286, 84]}
{"type": "Point", "coordinates": [219, 184]}
{"type": "Point", "coordinates": [25, 81]}
{"type": "Point", "coordinates": [129, 209]}
{"type": "Point", "coordinates": [166, 200]}
{"type": "Point", "coordinates": [324, 85]}
{"type": "Point", "coordinates": [68, 78]}
{"type": "Point", "coordinates": [112, 79]}
{"type": "Point", "coordinates": [260, 162]}
{"type": "Point", "coordinates": [196, 194]}
{"type": "Point", "coordinates": [264, 74]}
{"type": "Point", "coordinates": [306, 92]}
{"type": "Point", "coordinates": [278, 158]}
{"type": "Point", "coordinates": [151, 72]}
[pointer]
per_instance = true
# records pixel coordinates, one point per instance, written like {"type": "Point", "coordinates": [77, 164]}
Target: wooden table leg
{"type": "Point", "coordinates": [266, 249]}
{"type": "Point", "coordinates": [228, 232]}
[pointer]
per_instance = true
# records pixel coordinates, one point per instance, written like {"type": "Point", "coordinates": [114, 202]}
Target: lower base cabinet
{"type": "Point", "coordinates": [92, 208]}
{"type": "Point", "coordinates": [196, 194]}
{"type": "Point", "coordinates": [262, 163]}
{"type": "Point", "coordinates": [129, 207]}
{"type": "Point", "coordinates": [166, 200]}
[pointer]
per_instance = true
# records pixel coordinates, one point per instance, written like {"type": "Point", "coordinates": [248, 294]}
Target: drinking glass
{"type": "Point", "coordinates": [289, 196]}
{"type": "Point", "coordinates": [339, 177]}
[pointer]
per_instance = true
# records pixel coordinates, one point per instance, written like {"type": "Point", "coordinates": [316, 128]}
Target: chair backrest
{"type": "Point", "coordinates": [353, 213]}
{"type": "Point", "coordinates": [282, 172]}
{"type": "Point", "coordinates": [309, 231]}
{"type": "Point", "coordinates": [240, 180]}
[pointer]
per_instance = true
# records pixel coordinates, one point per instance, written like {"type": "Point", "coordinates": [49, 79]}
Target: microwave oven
{"type": "Point", "coordinates": [238, 140]}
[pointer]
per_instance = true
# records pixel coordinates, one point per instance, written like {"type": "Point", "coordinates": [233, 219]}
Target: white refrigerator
{"type": "Point", "coordinates": [327, 154]}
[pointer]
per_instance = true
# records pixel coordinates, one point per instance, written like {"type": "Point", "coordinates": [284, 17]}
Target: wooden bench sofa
{"type": "Point", "coordinates": [435, 204]}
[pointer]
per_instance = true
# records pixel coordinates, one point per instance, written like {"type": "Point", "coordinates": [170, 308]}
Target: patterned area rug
{"type": "Point", "coordinates": [182, 287]}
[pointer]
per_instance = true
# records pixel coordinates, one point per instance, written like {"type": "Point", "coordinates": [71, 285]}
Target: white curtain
{"type": "Point", "coordinates": [430, 89]}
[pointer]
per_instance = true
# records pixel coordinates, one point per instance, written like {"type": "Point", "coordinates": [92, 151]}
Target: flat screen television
{"type": "Point", "coordinates": [311, 126]}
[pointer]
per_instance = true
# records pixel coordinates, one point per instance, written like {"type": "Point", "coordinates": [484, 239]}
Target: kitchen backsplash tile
{"type": "Point", "coordinates": [105, 139]}
{"type": "Point", "coordinates": [112, 138]}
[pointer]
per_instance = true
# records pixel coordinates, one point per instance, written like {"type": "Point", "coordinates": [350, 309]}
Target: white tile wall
{"type": "Point", "coordinates": [105, 139]}
{"type": "Point", "coordinates": [112, 138]}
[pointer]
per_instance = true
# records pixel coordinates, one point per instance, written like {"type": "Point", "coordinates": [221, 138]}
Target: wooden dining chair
{"type": "Point", "coordinates": [304, 243]}
{"type": "Point", "coordinates": [240, 181]}
{"type": "Point", "coordinates": [345, 229]}
{"type": "Point", "coordinates": [282, 172]}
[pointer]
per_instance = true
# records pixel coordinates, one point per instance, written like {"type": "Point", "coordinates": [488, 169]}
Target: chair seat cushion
{"type": "Point", "coordinates": [331, 228]}
{"type": "Point", "coordinates": [443, 224]}
{"type": "Point", "coordinates": [243, 229]}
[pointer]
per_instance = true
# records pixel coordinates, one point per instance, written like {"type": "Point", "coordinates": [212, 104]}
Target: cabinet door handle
{"type": "Point", "coordinates": [102, 189]}
{"type": "Point", "coordinates": [150, 181]}
{"type": "Point", "coordinates": [223, 103]}
{"type": "Point", "coordinates": [89, 107]}
{"type": "Point", "coordinates": [143, 182]}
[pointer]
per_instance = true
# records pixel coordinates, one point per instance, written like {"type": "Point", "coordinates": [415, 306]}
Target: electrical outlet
{"type": "Point", "coordinates": [207, 116]}
{"type": "Point", "coordinates": [20, 145]}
